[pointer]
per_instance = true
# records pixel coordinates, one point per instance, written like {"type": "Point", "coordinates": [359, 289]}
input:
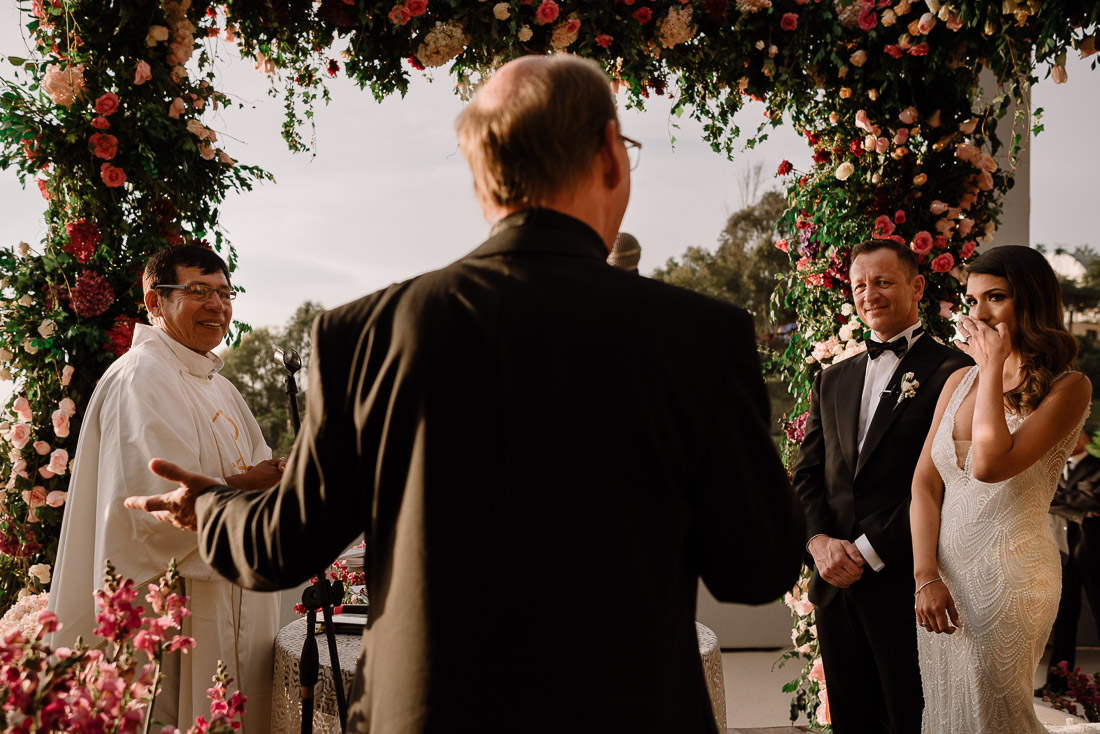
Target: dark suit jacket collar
{"type": "Point", "coordinates": [922, 361]}
{"type": "Point", "coordinates": [542, 230]}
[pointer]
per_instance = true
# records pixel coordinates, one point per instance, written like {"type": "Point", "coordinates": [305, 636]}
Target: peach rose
{"type": "Point", "coordinates": [156, 34]}
{"type": "Point", "coordinates": [965, 225]}
{"type": "Point", "coordinates": [943, 263]}
{"type": "Point", "coordinates": [45, 473]}
{"type": "Point", "coordinates": [859, 58]}
{"type": "Point", "coordinates": [908, 115]}
{"type": "Point", "coordinates": [59, 459]}
{"type": "Point", "coordinates": [41, 448]}
{"type": "Point", "coordinates": [969, 126]}
{"type": "Point", "coordinates": [22, 408]}
{"type": "Point", "coordinates": [66, 375]}
{"type": "Point", "coordinates": [937, 207]}
{"type": "Point", "coordinates": [1059, 74]}
{"type": "Point", "coordinates": [60, 420]}
{"type": "Point", "coordinates": [56, 498]}
{"type": "Point", "coordinates": [1087, 47]}
{"type": "Point", "coordinates": [926, 23]}
{"type": "Point", "coordinates": [901, 136]}
{"type": "Point", "coordinates": [206, 150]}
{"type": "Point", "coordinates": [985, 181]}
{"type": "Point", "coordinates": [67, 405]}
{"type": "Point", "coordinates": [142, 73]}
{"type": "Point", "coordinates": [863, 122]}
{"type": "Point", "coordinates": [920, 179]}
{"type": "Point", "coordinates": [177, 108]}
{"type": "Point", "coordinates": [844, 170]}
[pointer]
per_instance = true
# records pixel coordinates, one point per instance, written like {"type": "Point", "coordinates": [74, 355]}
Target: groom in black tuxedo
{"type": "Point", "coordinates": [869, 416]}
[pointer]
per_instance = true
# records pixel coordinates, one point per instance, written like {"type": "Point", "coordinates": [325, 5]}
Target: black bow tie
{"type": "Point", "coordinates": [875, 349]}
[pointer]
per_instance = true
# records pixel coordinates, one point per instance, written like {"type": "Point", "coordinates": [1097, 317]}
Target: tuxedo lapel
{"type": "Point", "coordinates": [848, 394]}
{"type": "Point", "coordinates": [922, 361]}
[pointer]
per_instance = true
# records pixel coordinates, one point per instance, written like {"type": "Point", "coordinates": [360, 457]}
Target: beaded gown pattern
{"type": "Point", "coordinates": [1001, 565]}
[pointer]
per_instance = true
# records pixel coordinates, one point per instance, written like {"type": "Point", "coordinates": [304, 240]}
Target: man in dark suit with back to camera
{"type": "Point", "coordinates": [854, 472]}
{"type": "Point", "coordinates": [545, 453]}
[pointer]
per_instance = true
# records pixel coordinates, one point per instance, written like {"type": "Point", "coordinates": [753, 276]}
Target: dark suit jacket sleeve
{"type": "Point", "coordinates": [280, 537]}
{"type": "Point", "coordinates": [750, 527]}
{"type": "Point", "coordinates": [1083, 493]}
{"type": "Point", "coordinates": [809, 470]}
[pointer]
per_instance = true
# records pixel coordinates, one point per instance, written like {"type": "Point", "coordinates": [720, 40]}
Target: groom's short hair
{"type": "Point", "coordinates": [906, 258]}
{"type": "Point", "coordinates": [544, 138]}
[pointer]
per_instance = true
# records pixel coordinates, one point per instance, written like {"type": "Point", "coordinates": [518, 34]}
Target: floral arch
{"type": "Point", "coordinates": [106, 119]}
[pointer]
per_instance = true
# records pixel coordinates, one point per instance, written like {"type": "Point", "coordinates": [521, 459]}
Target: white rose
{"type": "Point", "coordinates": [40, 571]}
{"type": "Point", "coordinates": [524, 34]}
{"type": "Point", "coordinates": [844, 170]}
{"type": "Point", "coordinates": [26, 300]}
{"type": "Point", "coordinates": [47, 328]}
{"type": "Point", "coordinates": [501, 11]}
{"type": "Point", "coordinates": [846, 309]}
{"type": "Point", "coordinates": [844, 333]}
{"type": "Point", "coordinates": [29, 347]}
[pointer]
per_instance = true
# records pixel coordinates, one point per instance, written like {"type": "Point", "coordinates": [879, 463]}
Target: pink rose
{"type": "Point", "coordinates": [59, 459]}
{"type": "Point", "coordinates": [926, 23]}
{"type": "Point", "coordinates": [883, 226]}
{"type": "Point", "coordinates": [60, 420]}
{"type": "Point", "coordinates": [863, 122]}
{"type": "Point", "coordinates": [967, 249]}
{"type": "Point", "coordinates": [104, 146]}
{"type": "Point", "coordinates": [41, 448]}
{"type": "Point", "coordinates": [921, 49]}
{"type": "Point", "coordinates": [789, 21]}
{"type": "Point", "coordinates": [35, 497]}
{"type": "Point", "coordinates": [943, 263]}
{"type": "Point", "coordinates": [882, 145]}
{"type": "Point", "coordinates": [965, 225]}
{"type": "Point", "coordinates": [101, 123]}
{"type": "Point", "coordinates": [112, 175]}
{"type": "Point", "coordinates": [922, 243]}
{"type": "Point", "coordinates": [20, 469]}
{"type": "Point", "coordinates": [802, 607]}
{"type": "Point", "coordinates": [868, 19]}
{"type": "Point", "coordinates": [45, 473]}
{"type": "Point", "coordinates": [547, 12]}
{"type": "Point", "coordinates": [908, 115]}
{"type": "Point", "coordinates": [901, 136]}
{"type": "Point", "coordinates": [107, 104]}
{"type": "Point", "coordinates": [937, 207]}
{"type": "Point", "coordinates": [56, 498]}
{"type": "Point", "coordinates": [985, 181]}
{"type": "Point", "coordinates": [177, 108]}
{"type": "Point", "coordinates": [142, 73]}
{"type": "Point", "coordinates": [67, 405]}
{"type": "Point", "coordinates": [22, 408]}
{"type": "Point", "coordinates": [899, 216]}
{"type": "Point", "coordinates": [66, 375]}
{"type": "Point", "coordinates": [817, 671]}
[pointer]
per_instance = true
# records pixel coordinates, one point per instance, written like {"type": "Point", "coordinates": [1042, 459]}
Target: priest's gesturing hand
{"type": "Point", "coordinates": [178, 506]}
{"type": "Point", "coordinates": [838, 561]}
{"type": "Point", "coordinates": [263, 475]}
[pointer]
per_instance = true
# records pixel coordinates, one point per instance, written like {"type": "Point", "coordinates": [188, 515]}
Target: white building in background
{"type": "Point", "coordinates": [1071, 265]}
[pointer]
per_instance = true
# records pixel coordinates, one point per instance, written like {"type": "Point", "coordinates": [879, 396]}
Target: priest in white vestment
{"type": "Point", "coordinates": [165, 398]}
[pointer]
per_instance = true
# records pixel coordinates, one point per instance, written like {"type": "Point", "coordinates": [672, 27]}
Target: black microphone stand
{"type": "Point", "coordinates": [291, 362]}
{"type": "Point", "coordinates": [322, 595]}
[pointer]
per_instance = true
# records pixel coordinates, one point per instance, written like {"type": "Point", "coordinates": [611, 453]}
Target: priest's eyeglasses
{"type": "Point", "coordinates": [201, 292]}
{"type": "Point", "coordinates": [633, 150]}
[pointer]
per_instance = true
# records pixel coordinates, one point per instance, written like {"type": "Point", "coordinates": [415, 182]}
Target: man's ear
{"type": "Point", "coordinates": [611, 163]}
{"type": "Point", "coordinates": [152, 302]}
{"type": "Point", "coordinates": [918, 287]}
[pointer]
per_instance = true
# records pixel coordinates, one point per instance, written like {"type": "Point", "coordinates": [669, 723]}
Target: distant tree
{"type": "Point", "coordinates": [251, 367]}
{"type": "Point", "coordinates": [744, 267]}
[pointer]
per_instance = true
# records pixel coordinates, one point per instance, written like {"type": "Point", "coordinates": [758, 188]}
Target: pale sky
{"type": "Point", "coordinates": [388, 195]}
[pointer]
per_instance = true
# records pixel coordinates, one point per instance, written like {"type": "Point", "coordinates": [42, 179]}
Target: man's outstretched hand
{"type": "Point", "coordinates": [178, 506]}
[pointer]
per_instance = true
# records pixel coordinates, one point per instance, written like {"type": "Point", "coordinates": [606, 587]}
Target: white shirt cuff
{"type": "Point", "coordinates": [868, 553]}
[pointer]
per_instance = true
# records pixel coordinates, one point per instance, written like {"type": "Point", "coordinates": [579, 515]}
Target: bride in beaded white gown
{"type": "Point", "coordinates": [986, 567]}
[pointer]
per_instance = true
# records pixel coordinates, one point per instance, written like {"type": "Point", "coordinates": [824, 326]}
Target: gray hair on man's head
{"type": "Point", "coordinates": [536, 133]}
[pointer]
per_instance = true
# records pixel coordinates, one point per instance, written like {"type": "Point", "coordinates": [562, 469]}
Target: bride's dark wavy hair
{"type": "Point", "coordinates": [1046, 348]}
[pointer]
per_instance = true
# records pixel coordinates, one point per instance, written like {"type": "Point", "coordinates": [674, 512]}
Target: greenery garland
{"type": "Point", "coordinates": [887, 92]}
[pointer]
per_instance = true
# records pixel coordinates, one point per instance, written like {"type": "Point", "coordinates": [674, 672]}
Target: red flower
{"type": "Point", "coordinates": [333, 67]}
{"type": "Point", "coordinates": [716, 9]}
{"type": "Point", "coordinates": [893, 50]}
{"type": "Point", "coordinates": [416, 8]}
{"type": "Point", "coordinates": [939, 242]}
{"type": "Point", "coordinates": [42, 188]}
{"type": "Point", "coordinates": [943, 263]}
{"type": "Point", "coordinates": [883, 227]}
{"type": "Point", "coordinates": [789, 21]}
{"type": "Point", "coordinates": [812, 137]}
{"type": "Point", "coordinates": [415, 63]}
{"type": "Point", "coordinates": [856, 148]}
{"type": "Point", "coordinates": [112, 175]}
{"type": "Point", "coordinates": [121, 335]}
{"type": "Point", "coordinates": [107, 104]}
{"type": "Point", "coordinates": [643, 15]}
{"type": "Point", "coordinates": [868, 19]}
{"type": "Point", "coordinates": [967, 250]}
{"type": "Point", "coordinates": [784, 168]}
{"type": "Point", "coordinates": [822, 155]}
{"type": "Point", "coordinates": [398, 14]}
{"type": "Point", "coordinates": [782, 245]}
{"type": "Point", "coordinates": [547, 12]}
{"type": "Point", "coordinates": [101, 123]}
{"type": "Point", "coordinates": [91, 294]}
{"type": "Point", "coordinates": [104, 146]}
{"type": "Point", "coordinates": [899, 216]}
{"type": "Point", "coordinates": [921, 49]}
{"type": "Point", "coordinates": [83, 237]}
{"type": "Point", "coordinates": [603, 40]}
{"type": "Point", "coordinates": [922, 243]}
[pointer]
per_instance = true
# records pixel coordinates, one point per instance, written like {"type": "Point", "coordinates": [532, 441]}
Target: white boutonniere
{"type": "Point", "coordinates": [909, 387]}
